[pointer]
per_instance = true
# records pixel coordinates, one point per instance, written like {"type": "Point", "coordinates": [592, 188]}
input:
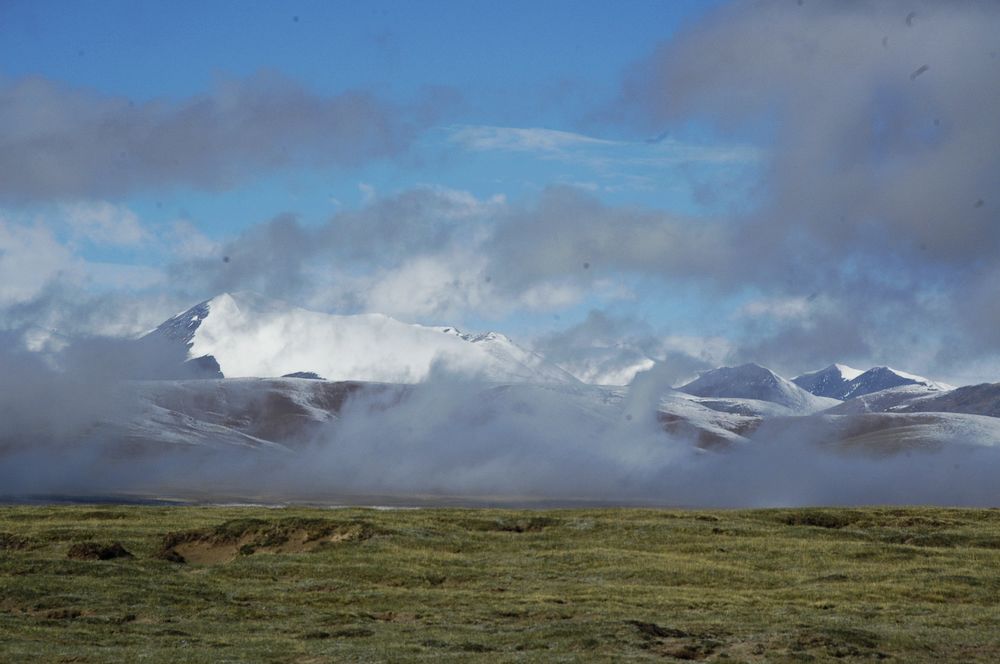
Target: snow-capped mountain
{"type": "Point", "coordinates": [881, 378]}
{"type": "Point", "coordinates": [523, 365]}
{"type": "Point", "coordinates": [833, 381]}
{"type": "Point", "coordinates": [282, 415]}
{"type": "Point", "coordinates": [842, 382]}
{"type": "Point", "coordinates": [754, 382]}
{"type": "Point", "coordinates": [252, 336]}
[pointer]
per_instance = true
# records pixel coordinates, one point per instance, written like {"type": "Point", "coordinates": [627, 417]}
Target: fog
{"type": "Point", "coordinates": [453, 439]}
{"type": "Point", "coordinates": [62, 142]}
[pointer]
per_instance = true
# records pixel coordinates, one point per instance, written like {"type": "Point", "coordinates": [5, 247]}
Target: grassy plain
{"type": "Point", "coordinates": [228, 584]}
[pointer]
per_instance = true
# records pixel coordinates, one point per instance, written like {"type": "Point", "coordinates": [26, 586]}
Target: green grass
{"type": "Point", "coordinates": [907, 585]}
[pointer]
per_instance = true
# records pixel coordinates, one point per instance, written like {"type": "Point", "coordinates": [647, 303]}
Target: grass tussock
{"type": "Point", "coordinates": [309, 585]}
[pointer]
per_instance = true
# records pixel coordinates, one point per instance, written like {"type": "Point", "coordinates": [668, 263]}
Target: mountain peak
{"type": "Point", "coordinates": [832, 381]}
{"type": "Point", "coordinates": [752, 381]}
{"type": "Point", "coordinates": [474, 337]}
{"type": "Point", "coordinates": [849, 373]}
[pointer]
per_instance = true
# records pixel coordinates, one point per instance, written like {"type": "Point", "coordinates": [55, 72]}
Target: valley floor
{"type": "Point", "coordinates": [230, 584]}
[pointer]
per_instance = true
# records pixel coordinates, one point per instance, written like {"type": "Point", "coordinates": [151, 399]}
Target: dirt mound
{"type": "Point", "coordinates": [245, 537]}
{"type": "Point", "coordinates": [675, 643]}
{"type": "Point", "coordinates": [820, 518]}
{"type": "Point", "coordinates": [12, 542]}
{"type": "Point", "coordinates": [535, 524]}
{"type": "Point", "coordinates": [655, 631]}
{"type": "Point", "coordinates": [96, 551]}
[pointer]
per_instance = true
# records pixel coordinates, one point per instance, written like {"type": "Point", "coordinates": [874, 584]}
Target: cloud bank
{"type": "Point", "coordinates": [877, 189]}
{"type": "Point", "coordinates": [61, 142]}
{"type": "Point", "coordinates": [450, 438]}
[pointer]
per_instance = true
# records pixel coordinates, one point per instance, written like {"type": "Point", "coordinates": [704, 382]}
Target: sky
{"type": "Point", "coordinates": [794, 182]}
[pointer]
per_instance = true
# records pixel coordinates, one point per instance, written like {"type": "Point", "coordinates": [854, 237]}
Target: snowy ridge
{"type": "Point", "coordinates": [685, 416]}
{"type": "Point", "coordinates": [883, 401]}
{"type": "Point", "coordinates": [881, 378]}
{"type": "Point", "coordinates": [839, 381]}
{"type": "Point", "coordinates": [833, 381]}
{"type": "Point", "coordinates": [848, 373]}
{"type": "Point", "coordinates": [526, 365]}
{"type": "Point", "coordinates": [936, 385]}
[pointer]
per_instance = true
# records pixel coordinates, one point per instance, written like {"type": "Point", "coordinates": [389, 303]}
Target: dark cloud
{"type": "Point", "coordinates": [606, 349]}
{"type": "Point", "coordinates": [882, 136]}
{"type": "Point", "coordinates": [57, 141]}
{"type": "Point", "coordinates": [567, 232]}
{"type": "Point", "coordinates": [564, 238]}
{"type": "Point", "coordinates": [855, 158]}
{"type": "Point", "coordinates": [281, 257]}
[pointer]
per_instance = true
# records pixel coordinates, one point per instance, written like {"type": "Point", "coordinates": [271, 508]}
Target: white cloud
{"type": "Point", "coordinates": [101, 222]}
{"type": "Point", "coordinates": [30, 256]}
{"type": "Point", "coordinates": [781, 308]}
{"type": "Point", "coordinates": [712, 350]}
{"type": "Point", "coordinates": [596, 152]}
{"type": "Point", "coordinates": [368, 193]}
{"type": "Point", "coordinates": [190, 243]}
{"type": "Point", "coordinates": [428, 286]}
{"type": "Point", "coordinates": [516, 139]}
{"type": "Point", "coordinates": [122, 276]}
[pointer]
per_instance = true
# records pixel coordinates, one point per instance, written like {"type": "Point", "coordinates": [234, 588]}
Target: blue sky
{"type": "Point", "coordinates": [793, 183]}
{"type": "Point", "coordinates": [488, 50]}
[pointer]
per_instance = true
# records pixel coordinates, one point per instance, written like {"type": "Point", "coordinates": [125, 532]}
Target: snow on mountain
{"type": "Point", "coordinates": [891, 433]}
{"type": "Point", "coordinates": [615, 365]}
{"type": "Point", "coordinates": [252, 336]}
{"type": "Point", "coordinates": [286, 415]}
{"type": "Point", "coordinates": [842, 382]}
{"type": "Point", "coordinates": [981, 399]}
{"type": "Point", "coordinates": [276, 411]}
{"type": "Point", "coordinates": [688, 417]}
{"type": "Point", "coordinates": [881, 378]}
{"type": "Point", "coordinates": [522, 365]}
{"type": "Point", "coordinates": [754, 382]}
{"type": "Point", "coordinates": [833, 381]}
{"type": "Point", "coordinates": [883, 401]}
{"type": "Point", "coordinates": [260, 415]}
{"type": "Point", "coordinates": [879, 435]}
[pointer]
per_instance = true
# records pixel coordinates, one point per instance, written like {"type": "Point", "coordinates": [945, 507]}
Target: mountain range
{"type": "Point", "coordinates": [272, 376]}
{"type": "Point", "coordinates": [842, 382]}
